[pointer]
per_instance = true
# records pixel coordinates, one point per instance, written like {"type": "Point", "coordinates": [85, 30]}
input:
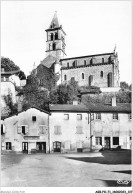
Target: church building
{"type": "Point", "coordinates": [101, 70]}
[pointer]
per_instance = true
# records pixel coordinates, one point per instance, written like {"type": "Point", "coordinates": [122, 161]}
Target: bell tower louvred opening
{"type": "Point", "coordinates": [55, 44]}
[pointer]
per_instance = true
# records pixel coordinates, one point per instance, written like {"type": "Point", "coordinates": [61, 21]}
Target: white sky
{"type": "Point", "coordinates": [92, 27]}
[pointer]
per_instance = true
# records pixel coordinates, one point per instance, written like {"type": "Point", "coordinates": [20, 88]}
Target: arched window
{"type": "Point", "coordinates": [54, 46]}
{"type": "Point", "coordinates": [82, 75]}
{"type": "Point", "coordinates": [68, 65]}
{"type": "Point", "coordinates": [90, 80]}
{"type": "Point", "coordinates": [91, 61]}
{"type": "Point", "coordinates": [65, 77]}
{"type": "Point", "coordinates": [84, 62]}
{"type": "Point", "coordinates": [52, 36]}
{"type": "Point", "coordinates": [109, 79]}
{"type": "Point", "coordinates": [56, 35]}
{"type": "Point", "coordinates": [74, 63]}
{"type": "Point", "coordinates": [102, 60]}
{"type": "Point", "coordinates": [101, 74]}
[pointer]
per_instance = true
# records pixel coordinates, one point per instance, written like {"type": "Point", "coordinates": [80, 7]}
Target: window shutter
{"type": "Point", "coordinates": [26, 129]}
{"type": "Point", "coordinates": [19, 129]}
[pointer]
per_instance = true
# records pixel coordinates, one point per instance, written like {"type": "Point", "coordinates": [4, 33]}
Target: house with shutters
{"type": "Point", "coordinates": [26, 131]}
{"type": "Point", "coordinates": [75, 128]}
{"type": "Point", "coordinates": [69, 128]}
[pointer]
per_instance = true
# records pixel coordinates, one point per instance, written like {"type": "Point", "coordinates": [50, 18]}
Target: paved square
{"type": "Point", "coordinates": [101, 169]}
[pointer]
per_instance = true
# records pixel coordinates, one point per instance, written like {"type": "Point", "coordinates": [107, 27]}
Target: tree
{"type": "Point", "coordinates": [8, 64]}
{"type": "Point", "coordinates": [34, 95]}
{"type": "Point", "coordinates": [64, 93]}
{"type": "Point", "coordinates": [22, 75]}
{"type": "Point", "coordinates": [124, 85]}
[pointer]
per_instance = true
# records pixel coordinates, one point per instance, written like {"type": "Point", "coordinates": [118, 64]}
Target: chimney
{"type": "Point", "coordinates": [114, 101]}
{"type": "Point", "coordinates": [19, 106]}
{"type": "Point", "coordinates": [75, 102]}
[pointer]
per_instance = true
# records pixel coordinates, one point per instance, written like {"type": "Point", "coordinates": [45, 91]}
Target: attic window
{"type": "Point", "coordinates": [34, 118]}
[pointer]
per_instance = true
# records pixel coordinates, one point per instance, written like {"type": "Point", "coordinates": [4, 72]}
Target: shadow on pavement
{"type": "Point", "coordinates": [123, 171]}
{"type": "Point", "coordinates": [112, 158]}
{"type": "Point", "coordinates": [115, 183]}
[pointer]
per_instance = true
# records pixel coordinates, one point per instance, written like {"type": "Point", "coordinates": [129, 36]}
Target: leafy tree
{"type": "Point", "coordinates": [124, 85]}
{"type": "Point", "coordinates": [22, 75]}
{"type": "Point", "coordinates": [64, 93]}
{"type": "Point", "coordinates": [10, 106]}
{"type": "Point", "coordinates": [33, 94]}
{"type": "Point", "coordinates": [8, 64]}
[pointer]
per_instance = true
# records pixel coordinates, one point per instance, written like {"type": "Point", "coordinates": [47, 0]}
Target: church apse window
{"type": "Point", "coordinates": [67, 65]}
{"type": "Point", "coordinates": [84, 62]}
{"type": "Point", "coordinates": [102, 60]}
{"type": "Point", "coordinates": [101, 74]}
{"type": "Point", "coordinates": [109, 79]}
{"type": "Point", "coordinates": [91, 61]}
{"type": "Point", "coordinates": [83, 76]}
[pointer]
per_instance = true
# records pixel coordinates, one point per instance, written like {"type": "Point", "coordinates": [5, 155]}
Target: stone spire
{"type": "Point", "coordinates": [55, 22]}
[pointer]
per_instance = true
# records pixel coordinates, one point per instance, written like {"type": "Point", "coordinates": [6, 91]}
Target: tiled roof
{"type": "Point", "coordinates": [96, 55]}
{"type": "Point", "coordinates": [97, 107]}
{"type": "Point", "coordinates": [48, 61]}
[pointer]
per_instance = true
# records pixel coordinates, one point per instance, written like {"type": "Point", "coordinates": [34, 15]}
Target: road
{"type": "Point", "coordinates": [101, 169]}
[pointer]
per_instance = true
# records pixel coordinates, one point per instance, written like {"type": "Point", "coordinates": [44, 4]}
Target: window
{"type": "Point", "coordinates": [115, 140]}
{"type": "Point", "coordinates": [57, 130]}
{"type": "Point", "coordinates": [42, 129]}
{"type": "Point", "coordinates": [82, 75]}
{"type": "Point", "coordinates": [57, 146]}
{"type": "Point", "coordinates": [90, 80]}
{"type": "Point", "coordinates": [2, 130]}
{"type": "Point", "coordinates": [102, 60]}
{"type": "Point", "coordinates": [91, 61]}
{"type": "Point", "coordinates": [56, 36]}
{"type": "Point", "coordinates": [54, 46]}
{"type": "Point", "coordinates": [98, 140]}
{"type": "Point", "coordinates": [34, 118]}
{"type": "Point", "coordinates": [79, 116]}
{"type": "Point", "coordinates": [98, 116]}
{"type": "Point", "coordinates": [52, 36]}
{"type": "Point", "coordinates": [72, 79]}
{"type": "Point", "coordinates": [8, 146]}
{"type": "Point", "coordinates": [2, 69]}
{"type": "Point", "coordinates": [65, 77]}
{"type": "Point", "coordinates": [68, 65]}
{"type": "Point", "coordinates": [7, 79]}
{"type": "Point", "coordinates": [109, 79]}
{"type": "Point", "coordinates": [84, 62]}
{"type": "Point", "coordinates": [66, 116]}
{"type": "Point", "coordinates": [130, 116]}
{"type": "Point", "coordinates": [79, 130]}
{"type": "Point", "coordinates": [115, 116]}
{"type": "Point", "coordinates": [2, 79]}
{"type": "Point", "coordinates": [23, 130]}
{"type": "Point", "coordinates": [101, 74]}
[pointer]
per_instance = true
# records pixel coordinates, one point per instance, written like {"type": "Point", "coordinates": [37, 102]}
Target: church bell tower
{"type": "Point", "coordinates": [55, 44]}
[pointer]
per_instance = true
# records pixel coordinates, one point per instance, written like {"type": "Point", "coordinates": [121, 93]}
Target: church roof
{"type": "Point", "coordinates": [96, 55]}
{"type": "Point", "coordinates": [49, 61]}
{"type": "Point", "coordinates": [55, 22]}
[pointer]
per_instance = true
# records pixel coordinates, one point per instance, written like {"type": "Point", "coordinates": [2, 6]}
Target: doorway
{"type": "Point", "coordinates": [57, 146]}
{"type": "Point", "coordinates": [107, 142]}
{"type": "Point", "coordinates": [25, 147]}
{"type": "Point", "coordinates": [41, 147]}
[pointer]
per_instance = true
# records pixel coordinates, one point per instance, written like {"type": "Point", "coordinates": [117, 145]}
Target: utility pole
{"type": "Point", "coordinates": [91, 119]}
